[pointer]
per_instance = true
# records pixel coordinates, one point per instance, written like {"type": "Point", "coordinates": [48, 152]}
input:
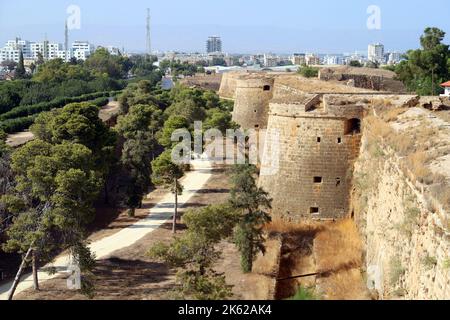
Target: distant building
{"type": "Point", "coordinates": [298, 59]}
{"type": "Point", "coordinates": [81, 50]}
{"type": "Point", "coordinates": [375, 53]}
{"type": "Point", "coordinates": [312, 59]}
{"type": "Point", "coordinates": [394, 58]}
{"type": "Point", "coordinates": [113, 50]}
{"type": "Point", "coordinates": [333, 60]}
{"type": "Point", "coordinates": [270, 60]}
{"type": "Point", "coordinates": [48, 50]}
{"type": "Point", "coordinates": [11, 51]}
{"type": "Point", "coordinates": [446, 86]}
{"type": "Point", "coordinates": [213, 44]}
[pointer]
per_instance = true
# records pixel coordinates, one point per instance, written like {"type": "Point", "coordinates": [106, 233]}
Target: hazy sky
{"type": "Point", "coordinates": [328, 26]}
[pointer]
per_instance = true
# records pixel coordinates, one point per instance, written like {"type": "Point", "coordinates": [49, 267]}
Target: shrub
{"type": "Point", "coordinates": [396, 270]}
{"type": "Point", "coordinates": [429, 262]}
{"type": "Point", "coordinates": [304, 294]}
{"type": "Point", "coordinates": [309, 72]}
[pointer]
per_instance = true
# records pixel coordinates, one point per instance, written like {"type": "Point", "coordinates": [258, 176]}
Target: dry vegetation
{"type": "Point", "coordinates": [338, 247]}
{"type": "Point", "coordinates": [333, 250]}
{"type": "Point", "coordinates": [417, 147]}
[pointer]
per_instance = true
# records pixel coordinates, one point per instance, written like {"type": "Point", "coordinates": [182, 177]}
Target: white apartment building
{"type": "Point", "coordinates": [11, 51]}
{"type": "Point", "coordinates": [48, 50]}
{"type": "Point", "coordinates": [298, 59]}
{"type": "Point", "coordinates": [270, 60]}
{"type": "Point", "coordinates": [312, 59]}
{"type": "Point", "coordinates": [394, 58]}
{"type": "Point", "coordinates": [333, 60]}
{"type": "Point", "coordinates": [81, 50]}
{"type": "Point", "coordinates": [113, 50]}
{"type": "Point", "coordinates": [375, 53]}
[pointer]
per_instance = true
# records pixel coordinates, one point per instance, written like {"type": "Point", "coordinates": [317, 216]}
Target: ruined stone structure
{"type": "Point", "coordinates": [251, 107]}
{"type": "Point", "coordinates": [373, 79]}
{"type": "Point", "coordinates": [357, 80]}
{"type": "Point", "coordinates": [319, 140]}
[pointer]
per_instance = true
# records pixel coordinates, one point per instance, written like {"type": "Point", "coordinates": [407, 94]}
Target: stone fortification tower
{"type": "Point", "coordinates": [318, 138]}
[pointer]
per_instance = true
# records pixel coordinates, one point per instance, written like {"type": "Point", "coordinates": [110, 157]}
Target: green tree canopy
{"type": "Point", "coordinates": [103, 64]}
{"type": "Point", "coordinates": [424, 69]}
{"type": "Point", "coordinates": [173, 123]}
{"type": "Point", "coordinates": [251, 201]}
{"type": "Point", "coordinates": [195, 252]}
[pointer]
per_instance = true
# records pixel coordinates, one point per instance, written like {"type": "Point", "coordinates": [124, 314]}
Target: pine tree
{"type": "Point", "coordinates": [168, 174]}
{"type": "Point", "coordinates": [251, 201]}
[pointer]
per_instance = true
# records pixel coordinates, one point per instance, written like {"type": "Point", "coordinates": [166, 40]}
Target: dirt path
{"type": "Point", "coordinates": [158, 216]}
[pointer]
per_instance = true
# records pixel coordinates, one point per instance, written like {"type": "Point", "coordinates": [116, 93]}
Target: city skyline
{"type": "Point", "coordinates": [244, 28]}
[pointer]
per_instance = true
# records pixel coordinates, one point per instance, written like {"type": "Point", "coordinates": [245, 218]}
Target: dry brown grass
{"type": "Point", "coordinates": [378, 127]}
{"type": "Point", "coordinates": [279, 225]}
{"type": "Point", "coordinates": [345, 285]}
{"type": "Point", "coordinates": [338, 247]}
{"type": "Point", "coordinates": [416, 163]}
{"type": "Point", "coordinates": [268, 263]}
{"type": "Point", "coordinates": [333, 249]}
{"type": "Point", "coordinates": [392, 114]}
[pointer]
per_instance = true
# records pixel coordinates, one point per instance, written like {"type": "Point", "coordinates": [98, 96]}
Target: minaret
{"type": "Point", "coordinates": [149, 37]}
{"type": "Point", "coordinates": [66, 42]}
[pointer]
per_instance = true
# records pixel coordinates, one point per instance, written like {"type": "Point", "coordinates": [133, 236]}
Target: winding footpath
{"type": "Point", "coordinates": [161, 213]}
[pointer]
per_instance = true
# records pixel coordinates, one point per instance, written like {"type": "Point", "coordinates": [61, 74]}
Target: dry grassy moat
{"type": "Point", "coordinates": [324, 257]}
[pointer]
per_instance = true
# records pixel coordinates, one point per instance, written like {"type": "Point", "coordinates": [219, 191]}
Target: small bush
{"type": "Point", "coordinates": [304, 294]}
{"type": "Point", "coordinates": [429, 262]}
{"type": "Point", "coordinates": [309, 72]}
{"type": "Point", "coordinates": [396, 270]}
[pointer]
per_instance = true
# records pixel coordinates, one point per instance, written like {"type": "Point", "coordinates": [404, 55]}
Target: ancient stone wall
{"type": "Point", "coordinates": [407, 246]}
{"type": "Point", "coordinates": [316, 154]}
{"type": "Point", "coordinates": [359, 81]}
{"type": "Point", "coordinates": [251, 107]}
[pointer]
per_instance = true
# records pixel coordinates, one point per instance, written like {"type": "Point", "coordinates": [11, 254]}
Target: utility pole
{"type": "Point", "coordinates": [66, 42]}
{"type": "Point", "coordinates": [149, 37]}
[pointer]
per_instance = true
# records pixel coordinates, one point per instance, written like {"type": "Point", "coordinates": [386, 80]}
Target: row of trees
{"type": "Point", "coordinates": [150, 117]}
{"type": "Point", "coordinates": [56, 78]}
{"type": "Point", "coordinates": [242, 218]}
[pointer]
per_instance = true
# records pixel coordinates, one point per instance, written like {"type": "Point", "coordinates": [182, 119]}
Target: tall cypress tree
{"type": "Point", "coordinates": [20, 70]}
